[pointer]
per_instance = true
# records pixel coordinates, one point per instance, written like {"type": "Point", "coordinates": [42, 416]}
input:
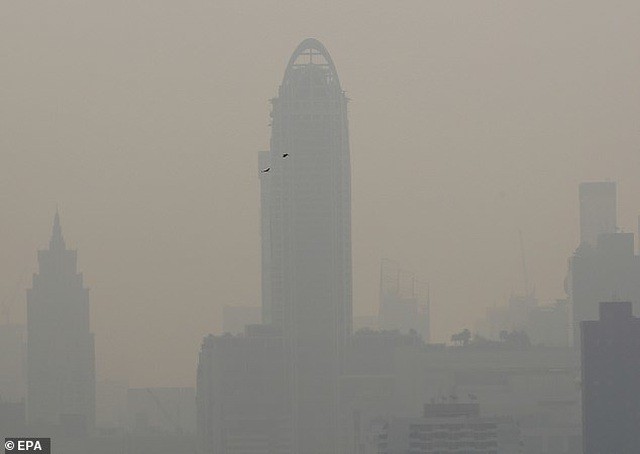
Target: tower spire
{"type": "Point", "coordinates": [57, 240]}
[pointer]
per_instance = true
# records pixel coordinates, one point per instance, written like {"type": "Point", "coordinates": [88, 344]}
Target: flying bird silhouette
{"type": "Point", "coordinates": [265, 170]}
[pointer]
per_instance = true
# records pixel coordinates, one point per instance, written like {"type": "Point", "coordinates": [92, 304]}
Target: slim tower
{"type": "Point", "coordinates": [306, 234]}
{"type": "Point", "coordinates": [60, 346]}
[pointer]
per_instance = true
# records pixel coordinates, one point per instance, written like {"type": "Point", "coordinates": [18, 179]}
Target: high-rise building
{"type": "Point", "coordinates": [604, 267]}
{"type": "Point", "coordinates": [608, 271]}
{"type": "Point", "coordinates": [306, 238]}
{"type": "Point", "coordinates": [598, 210]}
{"type": "Point", "coordinates": [610, 381]}
{"type": "Point", "coordinates": [60, 345]}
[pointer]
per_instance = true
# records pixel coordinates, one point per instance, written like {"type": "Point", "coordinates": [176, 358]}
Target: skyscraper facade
{"type": "Point", "coordinates": [60, 345]}
{"type": "Point", "coordinates": [306, 235]}
{"type": "Point", "coordinates": [610, 385]}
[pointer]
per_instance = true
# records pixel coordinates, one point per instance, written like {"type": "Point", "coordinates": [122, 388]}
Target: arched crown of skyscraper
{"type": "Point", "coordinates": [311, 53]}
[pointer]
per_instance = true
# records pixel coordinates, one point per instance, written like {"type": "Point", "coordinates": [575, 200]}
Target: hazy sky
{"type": "Point", "coordinates": [142, 120]}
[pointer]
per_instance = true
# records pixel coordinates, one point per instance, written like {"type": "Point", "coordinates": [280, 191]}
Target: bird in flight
{"type": "Point", "coordinates": [265, 170]}
{"type": "Point", "coordinates": [285, 155]}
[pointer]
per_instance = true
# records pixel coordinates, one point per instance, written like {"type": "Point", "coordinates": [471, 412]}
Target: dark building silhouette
{"type": "Point", "coordinates": [611, 381]}
{"type": "Point", "coordinates": [60, 346]}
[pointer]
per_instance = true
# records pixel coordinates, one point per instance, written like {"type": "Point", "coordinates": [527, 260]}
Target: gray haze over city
{"type": "Point", "coordinates": [471, 127]}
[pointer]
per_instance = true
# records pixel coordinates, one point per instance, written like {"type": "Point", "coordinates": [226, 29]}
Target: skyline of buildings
{"type": "Point", "coordinates": [291, 376]}
{"type": "Point", "coordinates": [259, 341]}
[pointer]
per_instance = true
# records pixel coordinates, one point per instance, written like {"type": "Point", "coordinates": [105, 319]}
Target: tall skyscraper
{"type": "Point", "coordinates": [610, 384]}
{"type": "Point", "coordinates": [604, 267]}
{"type": "Point", "coordinates": [598, 210]}
{"type": "Point", "coordinates": [306, 234]}
{"type": "Point", "coordinates": [60, 346]}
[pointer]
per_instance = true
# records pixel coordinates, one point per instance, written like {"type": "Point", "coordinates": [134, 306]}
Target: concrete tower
{"type": "Point", "coordinates": [306, 235]}
{"type": "Point", "coordinates": [60, 346]}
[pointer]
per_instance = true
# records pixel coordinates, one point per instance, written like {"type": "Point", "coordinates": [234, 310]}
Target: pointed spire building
{"type": "Point", "coordinates": [60, 345]}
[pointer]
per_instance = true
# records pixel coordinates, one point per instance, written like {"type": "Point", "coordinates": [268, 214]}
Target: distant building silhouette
{"type": "Point", "coordinates": [611, 381]}
{"type": "Point", "coordinates": [610, 270]}
{"type": "Point", "coordinates": [60, 346]}
{"type": "Point", "coordinates": [545, 324]}
{"type": "Point", "coordinates": [598, 210]}
{"type": "Point", "coordinates": [604, 267]}
{"type": "Point", "coordinates": [404, 301]}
